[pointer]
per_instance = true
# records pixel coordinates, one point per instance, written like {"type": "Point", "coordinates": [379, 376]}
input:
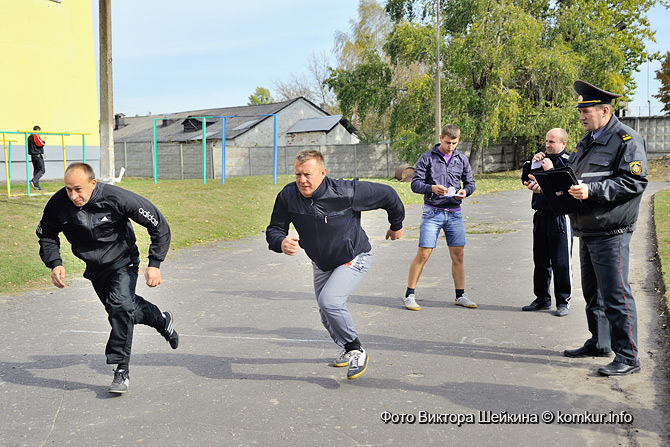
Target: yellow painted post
{"type": "Point", "coordinates": [4, 145]}
{"type": "Point", "coordinates": [64, 161]}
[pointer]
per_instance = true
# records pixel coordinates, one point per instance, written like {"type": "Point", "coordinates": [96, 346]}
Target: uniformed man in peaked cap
{"type": "Point", "coordinates": [611, 166]}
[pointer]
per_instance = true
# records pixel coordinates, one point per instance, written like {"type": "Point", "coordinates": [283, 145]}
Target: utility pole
{"type": "Point", "coordinates": [106, 92]}
{"type": "Point", "coordinates": [438, 108]}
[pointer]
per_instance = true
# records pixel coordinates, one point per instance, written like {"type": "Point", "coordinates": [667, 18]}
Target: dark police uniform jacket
{"type": "Point", "coordinates": [615, 168]}
{"type": "Point", "coordinates": [329, 222]}
{"type": "Point", "coordinates": [100, 232]}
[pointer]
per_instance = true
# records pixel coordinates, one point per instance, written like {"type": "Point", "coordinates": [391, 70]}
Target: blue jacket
{"type": "Point", "coordinates": [432, 170]}
{"type": "Point", "coordinates": [329, 222]}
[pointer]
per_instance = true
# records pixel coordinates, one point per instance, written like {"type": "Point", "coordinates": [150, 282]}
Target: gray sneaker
{"type": "Point", "coordinates": [342, 360]}
{"type": "Point", "coordinates": [410, 302]}
{"type": "Point", "coordinates": [121, 381]}
{"type": "Point", "coordinates": [562, 311]}
{"type": "Point", "coordinates": [465, 302]}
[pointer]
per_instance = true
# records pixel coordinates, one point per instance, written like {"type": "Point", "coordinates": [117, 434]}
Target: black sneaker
{"type": "Point", "coordinates": [36, 187]}
{"type": "Point", "coordinates": [168, 332]}
{"type": "Point", "coordinates": [121, 381]}
{"type": "Point", "coordinates": [358, 363]}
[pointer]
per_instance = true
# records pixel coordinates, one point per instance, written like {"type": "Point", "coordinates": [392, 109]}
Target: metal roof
{"type": "Point", "coordinates": [238, 121]}
{"type": "Point", "coordinates": [320, 124]}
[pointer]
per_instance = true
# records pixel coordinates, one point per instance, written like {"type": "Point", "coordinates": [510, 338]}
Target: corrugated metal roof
{"type": "Point", "coordinates": [320, 124]}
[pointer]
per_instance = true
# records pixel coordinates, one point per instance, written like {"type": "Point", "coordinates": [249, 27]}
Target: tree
{"type": "Point", "coordinates": [508, 66]}
{"type": "Point", "coordinates": [366, 82]}
{"type": "Point", "coordinates": [260, 96]}
{"type": "Point", "coordinates": [663, 75]}
{"type": "Point", "coordinates": [310, 86]}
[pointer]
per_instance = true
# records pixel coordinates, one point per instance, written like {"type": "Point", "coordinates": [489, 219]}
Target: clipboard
{"type": "Point", "coordinates": [530, 167]}
{"type": "Point", "coordinates": [555, 184]}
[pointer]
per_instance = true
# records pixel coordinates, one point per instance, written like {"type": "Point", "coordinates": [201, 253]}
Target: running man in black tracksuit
{"type": "Point", "coordinates": [94, 217]}
{"type": "Point", "coordinates": [552, 238]}
{"type": "Point", "coordinates": [326, 213]}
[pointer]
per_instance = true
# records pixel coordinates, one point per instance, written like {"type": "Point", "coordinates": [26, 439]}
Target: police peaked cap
{"type": "Point", "coordinates": [590, 95]}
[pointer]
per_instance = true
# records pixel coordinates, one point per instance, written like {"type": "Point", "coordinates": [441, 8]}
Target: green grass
{"type": "Point", "coordinates": [662, 220]}
{"type": "Point", "coordinates": [197, 213]}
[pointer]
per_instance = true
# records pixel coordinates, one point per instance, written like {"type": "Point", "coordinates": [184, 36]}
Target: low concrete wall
{"type": "Point", "coordinates": [184, 160]}
{"type": "Point", "coordinates": [656, 132]}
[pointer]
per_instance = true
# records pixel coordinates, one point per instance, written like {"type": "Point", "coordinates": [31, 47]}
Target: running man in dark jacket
{"type": "Point", "coordinates": [326, 213]}
{"type": "Point", "coordinates": [94, 217]}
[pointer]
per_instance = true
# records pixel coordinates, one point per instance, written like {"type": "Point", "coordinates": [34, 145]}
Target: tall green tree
{"type": "Point", "coordinates": [260, 96]}
{"type": "Point", "coordinates": [663, 75]}
{"type": "Point", "coordinates": [365, 81]}
{"type": "Point", "coordinates": [508, 66]}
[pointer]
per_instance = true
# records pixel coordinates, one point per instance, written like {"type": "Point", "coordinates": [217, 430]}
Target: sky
{"type": "Point", "coordinates": [173, 56]}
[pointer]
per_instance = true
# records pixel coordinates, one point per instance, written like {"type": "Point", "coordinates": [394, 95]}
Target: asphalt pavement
{"type": "Point", "coordinates": [253, 364]}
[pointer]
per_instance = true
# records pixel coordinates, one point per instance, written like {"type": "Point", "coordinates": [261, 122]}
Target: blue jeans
{"type": "Point", "coordinates": [433, 220]}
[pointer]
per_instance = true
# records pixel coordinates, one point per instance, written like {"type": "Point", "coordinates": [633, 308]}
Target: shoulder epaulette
{"type": "Point", "coordinates": [625, 136]}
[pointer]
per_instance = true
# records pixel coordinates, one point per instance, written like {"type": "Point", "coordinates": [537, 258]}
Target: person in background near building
{"type": "Point", "coordinates": [438, 176]}
{"type": "Point", "coordinates": [611, 166]}
{"type": "Point", "coordinates": [95, 219]}
{"type": "Point", "coordinates": [326, 213]}
{"type": "Point", "coordinates": [552, 237]}
{"type": "Point", "coordinates": [36, 152]}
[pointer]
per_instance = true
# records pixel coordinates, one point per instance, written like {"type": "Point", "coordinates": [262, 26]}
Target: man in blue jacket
{"type": "Point", "coordinates": [438, 175]}
{"type": "Point", "coordinates": [95, 219]}
{"type": "Point", "coordinates": [326, 213]}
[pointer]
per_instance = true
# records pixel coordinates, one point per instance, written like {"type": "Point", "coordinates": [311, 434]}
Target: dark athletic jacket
{"type": "Point", "coordinates": [329, 222]}
{"type": "Point", "coordinates": [100, 232]}
{"type": "Point", "coordinates": [35, 145]}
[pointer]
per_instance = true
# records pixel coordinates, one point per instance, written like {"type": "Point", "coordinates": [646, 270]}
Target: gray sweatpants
{"type": "Point", "coordinates": [332, 289]}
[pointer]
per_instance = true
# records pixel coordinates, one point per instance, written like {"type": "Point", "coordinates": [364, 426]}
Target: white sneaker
{"type": "Point", "coordinates": [465, 302]}
{"type": "Point", "coordinates": [358, 363]}
{"type": "Point", "coordinates": [410, 302]}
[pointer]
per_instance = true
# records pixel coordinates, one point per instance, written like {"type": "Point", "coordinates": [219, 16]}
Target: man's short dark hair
{"type": "Point", "coordinates": [88, 170]}
{"type": "Point", "coordinates": [37, 128]}
{"type": "Point", "coordinates": [451, 131]}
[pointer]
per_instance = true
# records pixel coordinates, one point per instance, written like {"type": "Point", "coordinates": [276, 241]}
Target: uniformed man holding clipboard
{"type": "Point", "coordinates": [610, 166]}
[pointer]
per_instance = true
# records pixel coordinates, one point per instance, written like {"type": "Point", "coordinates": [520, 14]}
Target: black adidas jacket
{"type": "Point", "coordinates": [100, 232]}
